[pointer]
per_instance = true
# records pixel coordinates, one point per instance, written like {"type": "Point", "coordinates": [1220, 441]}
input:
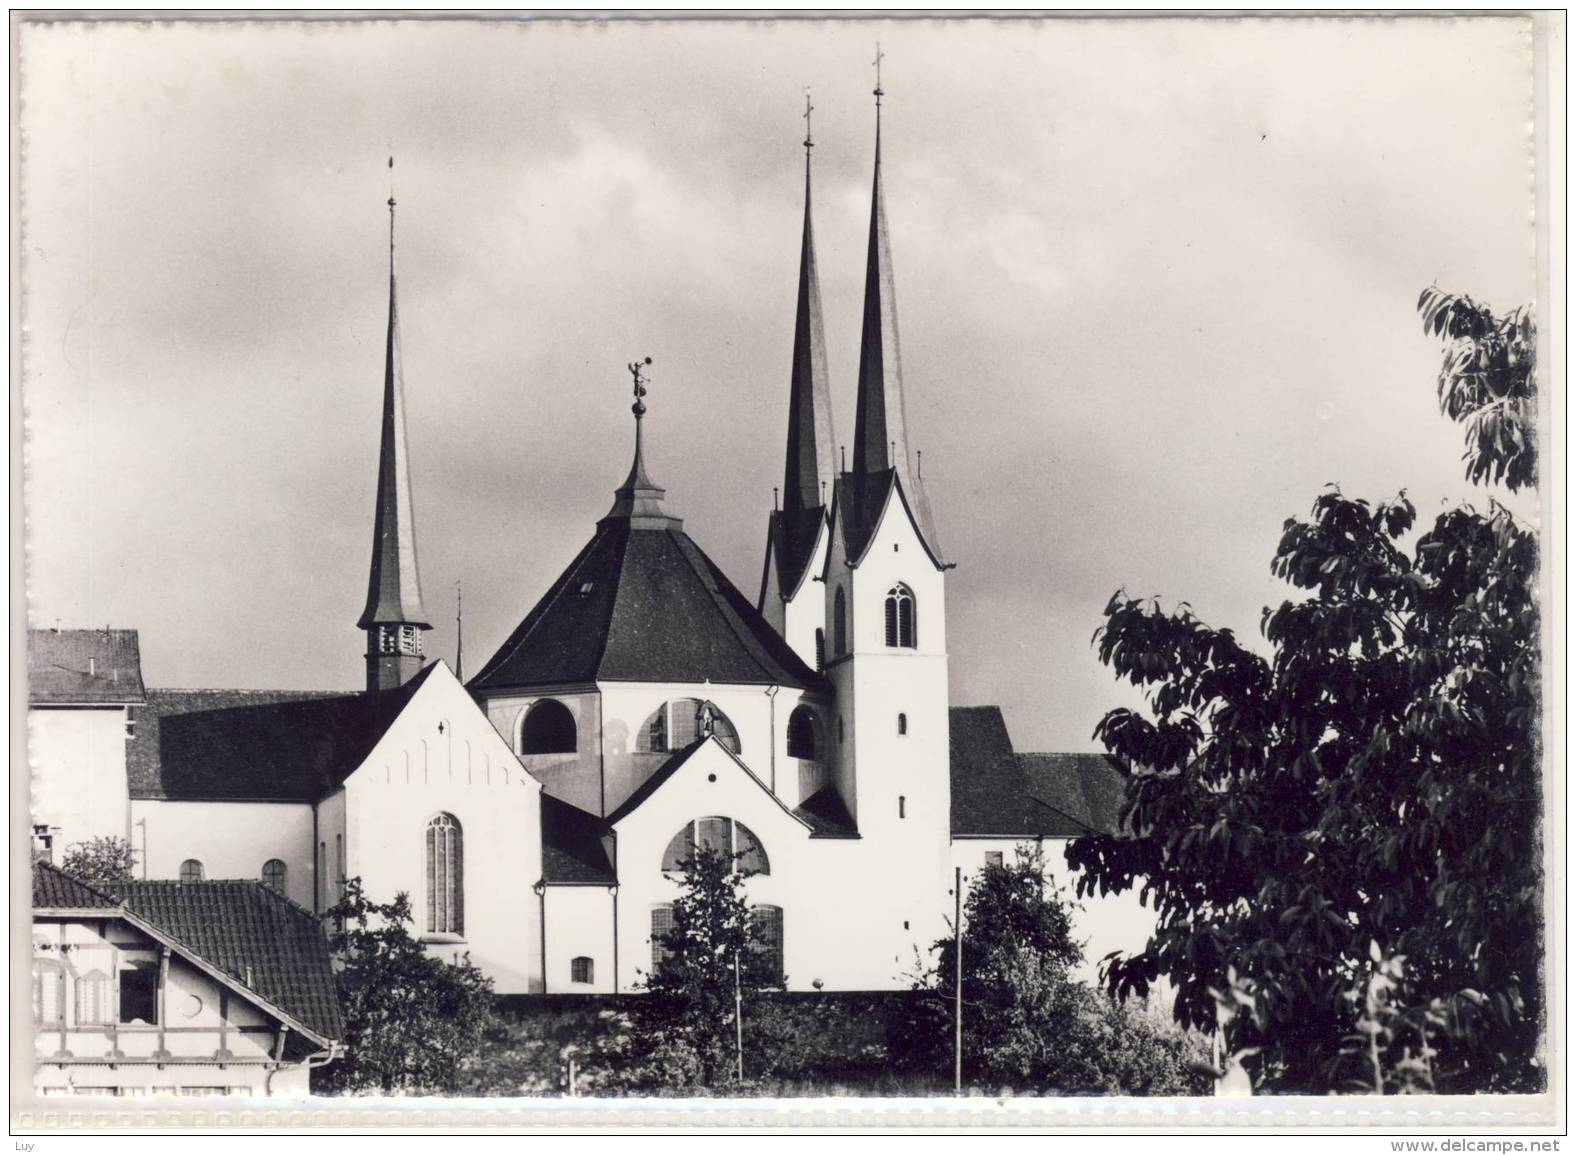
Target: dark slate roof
{"type": "Point", "coordinates": [575, 846]}
{"type": "Point", "coordinates": [658, 776]}
{"type": "Point", "coordinates": [998, 792]}
{"type": "Point", "coordinates": [642, 604]}
{"type": "Point", "coordinates": [54, 889]}
{"type": "Point", "coordinates": [791, 535]}
{"type": "Point", "coordinates": [275, 745]}
{"type": "Point", "coordinates": [826, 814]}
{"type": "Point", "coordinates": [59, 664]}
{"type": "Point", "coordinates": [858, 502]}
{"type": "Point", "coordinates": [260, 939]}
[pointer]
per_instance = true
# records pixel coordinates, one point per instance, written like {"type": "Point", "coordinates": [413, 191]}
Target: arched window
{"type": "Point", "coordinates": [445, 876]}
{"type": "Point", "coordinates": [548, 728]}
{"type": "Point", "coordinates": [676, 724]}
{"type": "Point", "coordinates": [902, 723]}
{"type": "Point", "coordinates": [900, 616]}
{"type": "Point", "coordinates": [661, 927]}
{"type": "Point", "coordinates": [92, 998]}
{"type": "Point", "coordinates": [820, 651]}
{"type": "Point", "coordinates": [274, 875]}
{"type": "Point", "coordinates": [766, 942]}
{"type": "Point", "coordinates": [191, 871]}
{"type": "Point", "coordinates": [582, 970]}
{"type": "Point", "coordinates": [722, 835]}
{"type": "Point", "coordinates": [803, 741]}
{"type": "Point", "coordinates": [839, 622]}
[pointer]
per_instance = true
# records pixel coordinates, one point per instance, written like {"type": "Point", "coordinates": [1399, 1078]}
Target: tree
{"type": "Point", "coordinates": [684, 1031]}
{"type": "Point", "coordinates": [99, 860]}
{"type": "Point", "coordinates": [413, 1023]}
{"type": "Point", "coordinates": [1369, 792]}
{"type": "Point", "coordinates": [1028, 1024]}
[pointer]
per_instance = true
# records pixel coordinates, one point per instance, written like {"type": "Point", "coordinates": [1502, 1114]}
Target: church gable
{"type": "Point", "coordinates": [704, 778]}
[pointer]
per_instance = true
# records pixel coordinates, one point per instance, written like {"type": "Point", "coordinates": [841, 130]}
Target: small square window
{"type": "Point", "coordinates": [993, 858]}
{"type": "Point", "coordinates": [586, 587]}
{"type": "Point", "coordinates": [581, 970]}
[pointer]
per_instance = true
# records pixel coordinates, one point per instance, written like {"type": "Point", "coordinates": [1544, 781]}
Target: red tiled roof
{"type": "Point", "coordinates": [278, 745]}
{"type": "Point", "coordinates": [54, 889]}
{"type": "Point", "coordinates": [83, 667]}
{"type": "Point", "coordinates": [260, 939]}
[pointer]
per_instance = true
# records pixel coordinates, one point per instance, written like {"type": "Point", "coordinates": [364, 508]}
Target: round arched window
{"type": "Point", "coordinates": [803, 739]}
{"type": "Point", "coordinates": [721, 836]}
{"type": "Point", "coordinates": [548, 728]}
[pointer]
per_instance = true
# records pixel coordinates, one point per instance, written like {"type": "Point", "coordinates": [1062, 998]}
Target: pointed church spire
{"type": "Point", "coordinates": [393, 617]}
{"type": "Point", "coordinates": [810, 462]}
{"type": "Point", "coordinates": [639, 499]}
{"type": "Point", "coordinates": [880, 431]}
{"type": "Point", "coordinates": [459, 631]}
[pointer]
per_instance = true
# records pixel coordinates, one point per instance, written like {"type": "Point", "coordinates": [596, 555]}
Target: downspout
{"type": "Point", "coordinates": [614, 891]}
{"type": "Point", "coordinates": [541, 898]}
{"type": "Point", "coordinates": [771, 708]}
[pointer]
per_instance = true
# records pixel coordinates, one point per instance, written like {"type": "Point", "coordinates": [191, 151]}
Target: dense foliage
{"type": "Point", "coordinates": [101, 859]}
{"type": "Point", "coordinates": [1370, 792]}
{"type": "Point", "coordinates": [1028, 1025]}
{"type": "Point", "coordinates": [413, 1024]}
{"type": "Point", "coordinates": [684, 1032]}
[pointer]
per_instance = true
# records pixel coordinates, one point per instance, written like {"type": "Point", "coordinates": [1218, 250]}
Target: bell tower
{"type": "Point", "coordinates": [393, 619]}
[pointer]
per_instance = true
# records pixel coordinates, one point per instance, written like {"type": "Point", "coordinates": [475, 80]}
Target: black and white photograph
{"type": "Point", "coordinates": [1006, 565]}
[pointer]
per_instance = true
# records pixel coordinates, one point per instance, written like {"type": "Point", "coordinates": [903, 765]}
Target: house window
{"type": "Point", "coordinates": [802, 741]}
{"type": "Point", "coordinates": [676, 724]}
{"type": "Point", "coordinates": [722, 836]}
{"type": "Point", "coordinates": [191, 870]}
{"type": "Point", "coordinates": [548, 728]}
{"type": "Point", "coordinates": [48, 992]}
{"type": "Point", "coordinates": [445, 876]}
{"type": "Point", "coordinates": [92, 998]}
{"type": "Point", "coordinates": [902, 723]}
{"type": "Point", "coordinates": [581, 970]}
{"type": "Point", "coordinates": [839, 622]}
{"type": "Point", "coordinates": [993, 858]}
{"type": "Point", "coordinates": [766, 941]}
{"type": "Point", "coordinates": [900, 616]}
{"type": "Point", "coordinates": [820, 651]}
{"type": "Point", "coordinates": [661, 927]}
{"type": "Point", "coordinates": [274, 875]}
{"type": "Point", "coordinates": [139, 994]}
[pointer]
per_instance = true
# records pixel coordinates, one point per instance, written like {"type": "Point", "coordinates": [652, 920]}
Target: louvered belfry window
{"type": "Point", "coordinates": [900, 617]}
{"type": "Point", "coordinates": [445, 876]}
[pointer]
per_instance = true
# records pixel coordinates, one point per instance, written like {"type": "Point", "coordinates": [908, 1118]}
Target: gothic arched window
{"type": "Point", "coordinates": [803, 741]}
{"type": "Point", "coordinates": [274, 875]}
{"type": "Point", "coordinates": [548, 728]}
{"type": "Point", "coordinates": [191, 871]}
{"type": "Point", "coordinates": [839, 622]}
{"type": "Point", "coordinates": [900, 629]}
{"type": "Point", "coordinates": [722, 835]}
{"type": "Point", "coordinates": [676, 724]}
{"type": "Point", "coordinates": [445, 876]}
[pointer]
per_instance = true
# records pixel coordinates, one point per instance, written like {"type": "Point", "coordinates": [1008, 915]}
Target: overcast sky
{"type": "Point", "coordinates": [1156, 281]}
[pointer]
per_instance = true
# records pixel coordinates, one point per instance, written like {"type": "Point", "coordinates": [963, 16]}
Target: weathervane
{"type": "Point", "coordinates": [635, 367]}
{"type": "Point", "coordinates": [808, 109]}
{"type": "Point", "coordinates": [879, 55]}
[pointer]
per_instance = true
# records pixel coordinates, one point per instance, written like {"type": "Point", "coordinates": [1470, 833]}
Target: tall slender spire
{"type": "Point", "coordinates": [393, 617]}
{"type": "Point", "coordinates": [810, 461]}
{"type": "Point", "coordinates": [459, 631]}
{"type": "Point", "coordinates": [880, 428]}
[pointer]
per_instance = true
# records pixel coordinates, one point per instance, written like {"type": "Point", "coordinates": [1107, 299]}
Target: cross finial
{"type": "Point", "coordinates": [809, 143]}
{"type": "Point", "coordinates": [879, 57]}
{"type": "Point", "coordinates": [635, 371]}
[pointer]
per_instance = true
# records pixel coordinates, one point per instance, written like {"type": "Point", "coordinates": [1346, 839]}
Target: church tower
{"type": "Point", "coordinates": [393, 619]}
{"type": "Point", "coordinates": [797, 534]}
{"type": "Point", "coordinates": [886, 608]}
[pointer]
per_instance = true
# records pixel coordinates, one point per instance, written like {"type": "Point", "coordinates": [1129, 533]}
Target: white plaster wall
{"type": "Point", "coordinates": [415, 773]}
{"type": "Point", "coordinates": [333, 841]}
{"type": "Point", "coordinates": [843, 905]}
{"type": "Point", "coordinates": [1105, 923]}
{"type": "Point", "coordinates": [78, 762]}
{"type": "Point", "coordinates": [230, 839]}
{"type": "Point", "coordinates": [807, 611]}
{"type": "Point", "coordinates": [580, 922]}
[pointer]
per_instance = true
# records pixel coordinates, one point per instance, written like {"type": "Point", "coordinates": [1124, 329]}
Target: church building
{"type": "Point", "coordinates": [537, 813]}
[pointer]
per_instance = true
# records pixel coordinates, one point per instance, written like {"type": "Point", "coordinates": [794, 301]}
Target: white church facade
{"type": "Point", "coordinates": [536, 812]}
